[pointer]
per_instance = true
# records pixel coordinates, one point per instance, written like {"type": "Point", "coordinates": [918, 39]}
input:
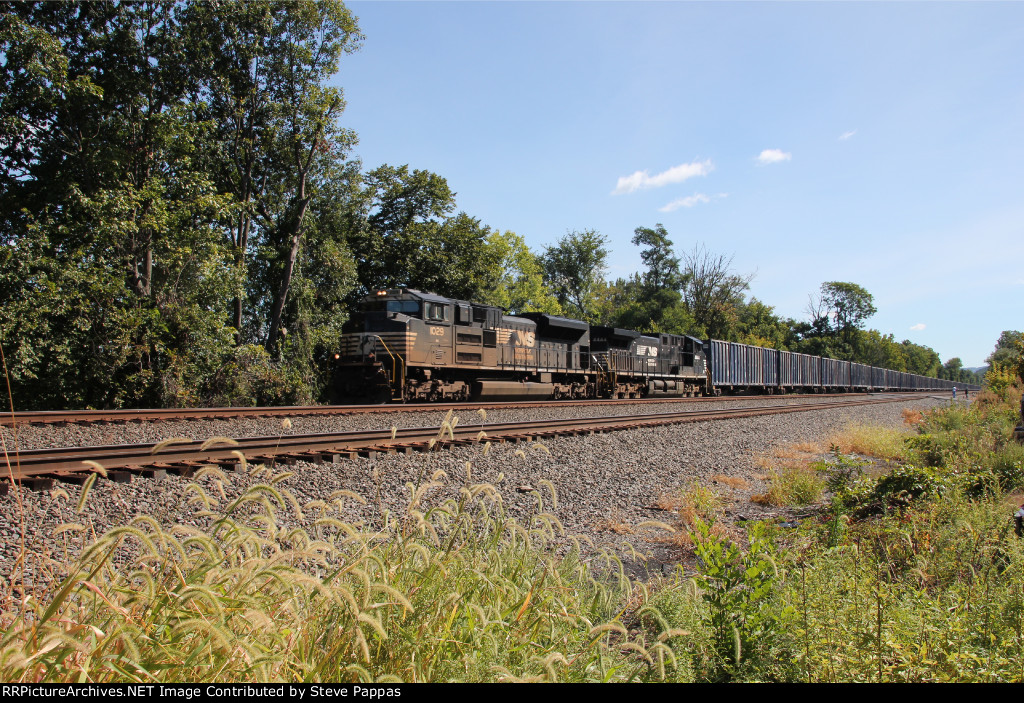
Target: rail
{"type": "Point", "coordinates": [40, 468]}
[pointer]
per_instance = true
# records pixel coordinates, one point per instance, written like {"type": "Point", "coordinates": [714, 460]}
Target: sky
{"type": "Point", "coordinates": [873, 142]}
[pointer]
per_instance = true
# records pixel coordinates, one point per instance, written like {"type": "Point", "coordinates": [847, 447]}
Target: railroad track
{"type": "Point", "coordinates": [108, 417]}
{"type": "Point", "coordinates": [40, 469]}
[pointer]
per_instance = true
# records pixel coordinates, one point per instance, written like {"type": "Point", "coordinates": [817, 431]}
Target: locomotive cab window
{"type": "Point", "coordinates": [405, 307]}
{"type": "Point", "coordinates": [435, 312]}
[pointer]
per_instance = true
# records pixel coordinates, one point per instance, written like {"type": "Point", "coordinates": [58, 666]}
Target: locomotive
{"type": "Point", "coordinates": [406, 345]}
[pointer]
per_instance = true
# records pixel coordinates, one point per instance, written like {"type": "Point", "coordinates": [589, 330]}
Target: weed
{"type": "Point", "coordinates": [733, 482]}
{"type": "Point", "coordinates": [793, 485]}
{"type": "Point", "coordinates": [871, 440]}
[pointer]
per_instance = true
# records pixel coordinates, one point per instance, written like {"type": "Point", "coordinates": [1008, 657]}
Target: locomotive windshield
{"type": "Point", "coordinates": [405, 307]}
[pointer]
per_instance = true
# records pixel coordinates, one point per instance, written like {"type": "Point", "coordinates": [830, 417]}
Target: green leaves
{"type": "Point", "coordinates": [574, 268]}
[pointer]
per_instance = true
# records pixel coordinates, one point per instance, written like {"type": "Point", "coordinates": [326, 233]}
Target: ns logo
{"type": "Point", "coordinates": [525, 338]}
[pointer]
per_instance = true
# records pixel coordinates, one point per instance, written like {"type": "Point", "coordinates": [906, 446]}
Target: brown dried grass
{"type": "Point", "coordinates": [736, 483]}
{"type": "Point", "coordinates": [911, 417]}
{"type": "Point", "coordinates": [614, 523]}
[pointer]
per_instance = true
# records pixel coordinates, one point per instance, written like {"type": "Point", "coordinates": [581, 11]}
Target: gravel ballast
{"type": "Point", "coordinates": [606, 484]}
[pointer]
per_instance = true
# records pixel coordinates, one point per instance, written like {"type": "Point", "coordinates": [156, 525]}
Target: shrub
{"type": "Point", "coordinates": [738, 589]}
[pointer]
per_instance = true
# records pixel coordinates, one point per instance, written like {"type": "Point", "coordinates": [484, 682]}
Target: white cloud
{"type": "Point", "coordinates": [918, 327]}
{"type": "Point", "coordinates": [677, 174]}
{"type": "Point", "coordinates": [846, 135]}
{"type": "Point", "coordinates": [688, 201]}
{"type": "Point", "coordinates": [774, 156]}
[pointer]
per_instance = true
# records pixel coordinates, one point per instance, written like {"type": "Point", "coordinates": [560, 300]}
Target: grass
{"type": "Point", "coordinates": [793, 485]}
{"type": "Point", "coordinates": [886, 443]}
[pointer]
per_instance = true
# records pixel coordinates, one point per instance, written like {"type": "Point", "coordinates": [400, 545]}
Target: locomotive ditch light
{"type": "Point", "coordinates": [337, 356]}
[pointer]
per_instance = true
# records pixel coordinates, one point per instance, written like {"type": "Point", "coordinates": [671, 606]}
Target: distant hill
{"type": "Point", "coordinates": [976, 369]}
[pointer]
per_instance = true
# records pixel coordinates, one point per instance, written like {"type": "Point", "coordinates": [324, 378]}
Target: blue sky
{"type": "Point", "coordinates": [879, 143]}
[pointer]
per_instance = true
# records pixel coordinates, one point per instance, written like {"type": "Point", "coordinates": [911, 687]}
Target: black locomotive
{"type": "Point", "coordinates": [405, 345]}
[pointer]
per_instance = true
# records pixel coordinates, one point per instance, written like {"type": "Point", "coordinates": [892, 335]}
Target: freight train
{"type": "Point", "coordinates": [406, 345]}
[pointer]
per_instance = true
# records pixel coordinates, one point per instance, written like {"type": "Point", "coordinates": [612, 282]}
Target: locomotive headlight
{"type": "Point", "coordinates": [382, 292]}
{"type": "Point", "coordinates": [337, 356]}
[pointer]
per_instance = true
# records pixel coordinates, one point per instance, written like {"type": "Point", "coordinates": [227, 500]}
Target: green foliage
{"type": "Point", "coordinates": [758, 325]}
{"type": "Point", "coordinates": [520, 287]}
{"type": "Point", "coordinates": [896, 489]}
{"type": "Point", "coordinates": [1009, 350]}
{"type": "Point", "coordinates": [875, 349]}
{"type": "Point", "coordinates": [848, 304]}
{"type": "Point", "coordinates": [629, 304]}
{"type": "Point", "coordinates": [662, 264]}
{"type": "Point", "coordinates": [172, 184]}
{"type": "Point", "coordinates": [841, 471]}
{"type": "Point", "coordinates": [574, 268]}
{"type": "Point", "coordinates": [933, 593]}
{"type": "Point", "coordinates": [1003, 381]}
{"type": "Point", "coordinates": [796, 485]}
{"type": "Point", "coordinates": [921, 360]}
{"type": "Point", "coordinates": [713, 292]}
{"type": "Point", "coordinates": [738, 589]}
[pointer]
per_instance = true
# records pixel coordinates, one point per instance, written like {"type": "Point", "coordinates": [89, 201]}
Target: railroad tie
{"type": "Point", "coordinates": [37, 483]}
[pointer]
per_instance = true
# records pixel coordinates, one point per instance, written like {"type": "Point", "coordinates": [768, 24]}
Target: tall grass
{"type": "Point", "coordinates": [452, 592]}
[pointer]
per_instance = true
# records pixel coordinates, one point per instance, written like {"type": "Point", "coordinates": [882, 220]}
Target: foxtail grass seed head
{"type": "Point", "coordinates": [218, 441]}
{"type": "Point", "coordinates": [286, 424]}
{"type": "Point", "coordinates": [86, 487]}
{"type": "Point", "coordinates": [164, 443]}
{"type": "Point", "coordinates": [97, 467]}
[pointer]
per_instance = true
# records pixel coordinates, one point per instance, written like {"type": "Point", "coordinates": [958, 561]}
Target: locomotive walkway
{"type": "Point", "coordinates": [40, 469]}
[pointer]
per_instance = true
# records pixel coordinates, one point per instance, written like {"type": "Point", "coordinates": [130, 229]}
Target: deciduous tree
{"type": "Point", "coordinates": [712, 291]}
{"type": "Point", "coordinates": [573, 269]}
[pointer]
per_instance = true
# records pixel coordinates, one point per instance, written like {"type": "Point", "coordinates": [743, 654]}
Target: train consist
{"type": "Point", "coordinates": [406, 345]}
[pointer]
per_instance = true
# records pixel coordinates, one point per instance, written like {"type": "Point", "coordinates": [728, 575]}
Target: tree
{"type": "Point", "coordinates": [132, 229]}
{"type": "Point", "coordinates": [276, 123]}
{"type": "Point", "coordinates": [848, 305]}
{"type": "Point", "coordinates": [662, 265]}
{"type": "Point", "coordinates": [712, 292]}
{"type": "Point", "coordinates": [406, 236]}
{"type": "Point", "coordinates": [112, 251]}
{"type": "Point", "coordinates": [574, 268]}
{"type": "Point", "coordinates": [1007, 349]}
{"type": "Point", "coordinates": [760, 326]}
{"type": "Point", "coordinates": [629, 303]}
{"type": "Point", "coordinates": [520, 287]}
{"type": "Point", "coordinates": [921, 360]}
{"type": "Point", "coordinates": [951, 370]}
{"type": "Point", "coordinates": [877, 349]}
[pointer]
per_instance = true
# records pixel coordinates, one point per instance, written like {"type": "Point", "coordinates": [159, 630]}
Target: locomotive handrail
{"type": "Point", "coordinates": [400, 385]}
